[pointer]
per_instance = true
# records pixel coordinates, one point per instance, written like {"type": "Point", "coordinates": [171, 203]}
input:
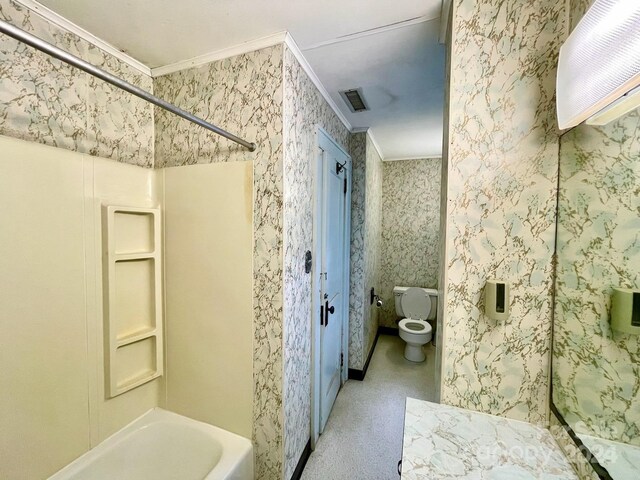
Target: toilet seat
{"type": "Point", "coordinates": [416, 303]}
{"type": "Point", "coordinates": [411, 325]}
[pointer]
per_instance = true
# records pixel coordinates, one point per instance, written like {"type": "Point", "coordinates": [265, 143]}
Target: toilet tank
{"type": "Point", "coordinates": [433, 295]}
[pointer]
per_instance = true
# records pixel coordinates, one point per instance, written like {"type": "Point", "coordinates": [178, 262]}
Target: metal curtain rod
{"type": "Point", "coordinates": [74, 61]}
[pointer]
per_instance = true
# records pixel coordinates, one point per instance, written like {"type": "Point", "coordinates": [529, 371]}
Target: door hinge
{"type": "Point", "coordinates": [342, 359]}
{"type": "Point", "coordinates": [345, 184]}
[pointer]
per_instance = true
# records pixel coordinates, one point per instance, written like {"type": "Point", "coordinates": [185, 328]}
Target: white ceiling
{"type": "Point", "coordinates": [401, 70]}
{"type": "Point", "coordinates": [401, 73]}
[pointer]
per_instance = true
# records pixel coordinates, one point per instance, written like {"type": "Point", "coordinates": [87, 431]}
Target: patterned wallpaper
{"type": "Point", "coordinates": [410, 229]}
{"type": "Point", "coordinates": [596, 370]}
{"type": "Point", "coordinates": [304, 109]}
{"type": "Point", "coordinates": [46, 101]}
{"type": "Point", "coordinates": [241, 94]}
{"type": "Point", "coordinates": [366, 220]}
{"type": "Point", "coordinates": [358, 301]}
{"type": "Point", "coordinates": [577, 9]}
{"type": "Point", "coordinates": [252, 107]}
{"type": "Point", "coordinates": [372, 242]}
{"type": "Point", "coordinates": [502, 175]}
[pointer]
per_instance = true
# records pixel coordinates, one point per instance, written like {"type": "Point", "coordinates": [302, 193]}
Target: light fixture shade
{"type": "Point", "coordinates": [600, 61]}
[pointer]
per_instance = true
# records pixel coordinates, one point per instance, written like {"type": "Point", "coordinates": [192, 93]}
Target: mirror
{"type": "Point", "coordinates": [596, 368]}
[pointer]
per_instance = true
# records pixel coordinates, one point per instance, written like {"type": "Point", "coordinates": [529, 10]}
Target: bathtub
{"type": "Point", "coordinates": [164, 445]}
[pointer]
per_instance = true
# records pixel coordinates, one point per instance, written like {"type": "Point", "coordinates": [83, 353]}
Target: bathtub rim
{"type": "Point", "coordinates": [235, 448]}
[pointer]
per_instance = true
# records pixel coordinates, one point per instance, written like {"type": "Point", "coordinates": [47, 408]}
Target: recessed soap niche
{"type": "Point", "coordinates": [133, 297]}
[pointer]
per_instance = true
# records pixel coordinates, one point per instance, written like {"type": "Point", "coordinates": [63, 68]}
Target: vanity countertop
{"type": "Point", "coordinates": [443, 442]}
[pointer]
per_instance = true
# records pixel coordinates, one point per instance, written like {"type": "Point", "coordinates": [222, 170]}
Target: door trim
{"type": "Point", "coordinates": [323, 138]}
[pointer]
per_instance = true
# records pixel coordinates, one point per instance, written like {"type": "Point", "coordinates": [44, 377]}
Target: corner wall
{"type": "Point", "coordinates": [304, 109]}
{"type": "Point", "coordinates": [501, 193]}
{"type": "Point", "coordinates": [366, 219]}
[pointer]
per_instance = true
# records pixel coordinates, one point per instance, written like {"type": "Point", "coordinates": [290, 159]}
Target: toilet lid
{"type": "Point", "coordinates": [415, 303]}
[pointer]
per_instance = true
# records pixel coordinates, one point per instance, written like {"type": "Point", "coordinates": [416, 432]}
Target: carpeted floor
{"type": "Point", "coordinates": [363, 436]}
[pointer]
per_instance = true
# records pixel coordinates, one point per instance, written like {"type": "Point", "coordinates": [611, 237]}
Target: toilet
{"type": "Point", "coordinates": [416, 305]}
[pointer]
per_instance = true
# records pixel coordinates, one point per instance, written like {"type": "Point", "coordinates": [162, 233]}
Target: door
{"type": "Point", "coordinates": [334, 246]}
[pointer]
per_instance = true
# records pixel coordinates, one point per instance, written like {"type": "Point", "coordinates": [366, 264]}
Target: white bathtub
{"type": "Point", "coordinates": [163, 445]}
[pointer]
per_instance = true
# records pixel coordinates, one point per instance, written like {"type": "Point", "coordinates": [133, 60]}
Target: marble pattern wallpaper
{"type": "Point", "coordinates": [366, 221]}
{"type": "Point", "coordinates": [372, 242]}
{"type": "Point", "coordinates": [241, 94]}
{"type": "Point", "coordinates": [250, 106]}
{"type": "Point", "coordinates": [304, 109]}
{"type": "Point", "coordinates": [409, 253]}
{"type": "Point", "coordinates": [501, 198]}
{"type": "Point", "coordinates": [46, 101]}
{"type": "Point", "coordinates": [596, 371]}
{"type": "Point", "coordinates": [577, 9]}
{"type": "Point", "coordinates": [358, 303]}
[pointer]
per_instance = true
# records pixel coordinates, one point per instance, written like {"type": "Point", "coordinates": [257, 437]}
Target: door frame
{"type": "Point", "coordinates": [323, 138]}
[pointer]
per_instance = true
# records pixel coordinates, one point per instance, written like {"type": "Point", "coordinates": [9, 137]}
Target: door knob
{"type": "Point", "coordinates": [328, 310]}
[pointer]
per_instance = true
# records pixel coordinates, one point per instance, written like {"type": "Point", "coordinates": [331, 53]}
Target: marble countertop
{"type": "Point", "coordinates": [621, 460]}
{"type": "Point", "coordinates": [443, 442]}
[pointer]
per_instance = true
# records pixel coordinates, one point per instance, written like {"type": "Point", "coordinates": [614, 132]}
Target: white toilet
{"type": "Point", "coordinates": [417, 305]}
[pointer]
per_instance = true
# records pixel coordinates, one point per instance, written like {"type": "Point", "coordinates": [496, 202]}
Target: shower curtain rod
{"type": "Point", "coordinates": [74, 61]}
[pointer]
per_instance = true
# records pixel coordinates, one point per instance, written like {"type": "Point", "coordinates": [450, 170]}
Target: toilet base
{"type": "Point", "coordinates": [414, 353]}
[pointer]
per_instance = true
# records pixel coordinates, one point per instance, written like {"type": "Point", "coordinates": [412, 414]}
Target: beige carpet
{"type": "Point", "coordinates": [363, 437]}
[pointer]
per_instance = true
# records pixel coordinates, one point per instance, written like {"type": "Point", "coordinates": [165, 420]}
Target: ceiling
{"type": "Point", "coordinates": [389, 48]}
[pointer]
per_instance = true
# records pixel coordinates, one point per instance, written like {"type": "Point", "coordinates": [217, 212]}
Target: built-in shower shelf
{"type": "Point", "coordinates": [127, 257]}
{"type": "Point", "coordinates": [133, 303]}
{"type": "Point", "coordinates": [135, 337]}
{"type": "Point", "coordinates": [141, 379]}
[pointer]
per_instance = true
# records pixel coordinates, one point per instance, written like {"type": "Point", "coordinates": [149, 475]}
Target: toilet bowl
{"type": "Point", "coordinates": [417, 305]}
{"type": "Point", "coordinates": [416, 333]}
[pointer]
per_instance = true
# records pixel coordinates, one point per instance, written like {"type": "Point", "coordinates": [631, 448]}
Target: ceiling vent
{"type": "Point", "coordinates": [354, 99]}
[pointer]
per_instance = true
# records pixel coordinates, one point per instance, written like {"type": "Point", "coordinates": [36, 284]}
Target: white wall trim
{"type": "Point", "coordinates": [413, 157]}
{"type": "Point", "coordinates": [375, 143]}
{"type": "Point", "coordinates": [58, 20]}
{"type": "Point", "coordinates": [372, 31]}
{"type": "Point", "coordinates": [293, 46]}
{"type": "Point", "coordinates": [251, 46]}
{"type": "Point", "coordinates": [245, 47]}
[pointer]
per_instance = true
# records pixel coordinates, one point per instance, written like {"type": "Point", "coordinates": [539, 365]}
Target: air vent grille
{"type": "Point", "coordinates": [354, 100]}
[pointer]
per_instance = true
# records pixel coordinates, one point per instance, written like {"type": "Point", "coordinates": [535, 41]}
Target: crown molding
{"type": "Point", "coordinates": [372, 31]}
{"type": "Point", "coordinates": [375, 144]}
{"type": "Point", "coordinates": [369, 133]}
{"type": "Point", "coordinates": [58, 20]}
{"type": "Point", "coordinates": [414, 157]}
{"type": "Point", "coordinates": [245, 47]}
{"type": "Point", "coordinates": [293, 46]}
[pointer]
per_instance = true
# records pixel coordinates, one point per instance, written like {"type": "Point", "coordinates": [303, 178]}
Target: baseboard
{"type": "Point", "coordinates": [297, 473]}
{"type": "Point", "coordinates": [355, 374]}
{"type": "Point", "coordinates": [387, 331]}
